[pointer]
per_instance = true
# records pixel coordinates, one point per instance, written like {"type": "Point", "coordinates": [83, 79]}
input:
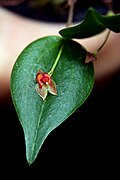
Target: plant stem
{"type": "Point", "coordinates": [109, 4]}
{"type": "Point", "coordinates": [70, 4]}
{"type": "Point", "coordinates": [106, 38]}
{"type": "Point", "coordinates": [56, 61]}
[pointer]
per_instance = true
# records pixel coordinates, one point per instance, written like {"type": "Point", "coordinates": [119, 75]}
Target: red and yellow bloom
{"type": "Point", "coordinates": [45, 84]}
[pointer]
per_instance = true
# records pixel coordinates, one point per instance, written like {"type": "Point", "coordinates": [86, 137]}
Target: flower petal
{"type": "Point", "coordinates": [52, 88]}
{"type": "Point", "coordinates": [41, 91]}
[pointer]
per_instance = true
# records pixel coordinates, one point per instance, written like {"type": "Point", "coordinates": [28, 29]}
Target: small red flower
{"type": "Point", "coordinates": [45, 84]}
{"type": "Point", "coordinates": [90, 57]}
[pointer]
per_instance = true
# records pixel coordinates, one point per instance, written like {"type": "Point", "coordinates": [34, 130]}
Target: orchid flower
{"type": "Point", "coordinates": [90, 57]}
{"type": "Point", "coordinates": [45, 84]}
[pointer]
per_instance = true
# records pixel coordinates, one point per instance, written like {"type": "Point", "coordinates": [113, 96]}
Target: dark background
{"type": "Point", "coordinates": [51, 14]}
{"type": "Point", "coordinates": [85, 145]}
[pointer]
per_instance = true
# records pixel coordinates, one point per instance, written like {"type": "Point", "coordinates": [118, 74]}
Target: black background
{"type": "Point", "coordinates": [49, 14]}
{"type": "Point", "coordinates": [87, 143]}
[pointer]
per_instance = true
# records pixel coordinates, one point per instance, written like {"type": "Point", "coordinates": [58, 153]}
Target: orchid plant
{"type": "Point", "coordinates": [54, 75]}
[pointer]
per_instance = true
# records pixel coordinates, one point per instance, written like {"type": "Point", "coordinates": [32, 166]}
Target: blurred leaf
{"type": "Point", "coordinates": [93, 23]}
{"type": "Point", "coordinates": [74, 80]}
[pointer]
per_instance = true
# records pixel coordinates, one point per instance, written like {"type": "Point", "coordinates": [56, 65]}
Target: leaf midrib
{"type": "Point", "coordinates": [39, 120]}
{"type": "Point", "coordinates": [37, 128]}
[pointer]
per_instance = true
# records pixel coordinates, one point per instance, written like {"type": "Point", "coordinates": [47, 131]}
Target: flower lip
{"type": "Point", "coordinates": [43, 78]}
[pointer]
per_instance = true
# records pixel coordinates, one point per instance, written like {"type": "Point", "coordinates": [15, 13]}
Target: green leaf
{"type": "Point", "coordinates": [74, 80]}
{"type": "Point", "coordinates": [93, 23]}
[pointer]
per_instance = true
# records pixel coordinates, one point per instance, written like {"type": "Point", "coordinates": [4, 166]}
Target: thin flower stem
{"type": "Point", "coordinates": [56, 61]}
{"type": "Point", "coordinates": [71, 4]}
{"type": "Point", "coordinates": [109, 4]}
{"type": "Point", "coordinates": [106, 38]}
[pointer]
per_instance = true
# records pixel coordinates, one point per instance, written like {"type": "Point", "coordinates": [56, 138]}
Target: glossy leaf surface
{"type": "Point", "coordinates": [93, 23]}
{"type": "Point", "coordinates": [74, 81]}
